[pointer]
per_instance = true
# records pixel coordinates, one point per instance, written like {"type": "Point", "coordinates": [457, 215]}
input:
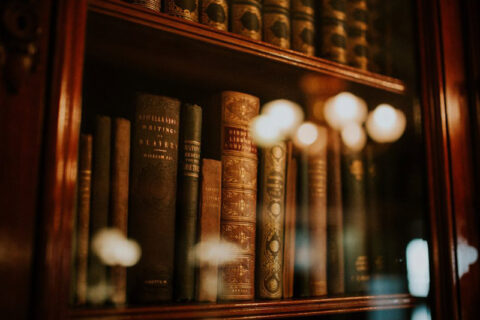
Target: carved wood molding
{"type": "Point", "coordinates": [19, 31]}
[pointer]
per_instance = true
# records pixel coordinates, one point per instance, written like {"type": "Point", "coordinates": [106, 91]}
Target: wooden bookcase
{"type": "Point", "coordinates": [77, 36]}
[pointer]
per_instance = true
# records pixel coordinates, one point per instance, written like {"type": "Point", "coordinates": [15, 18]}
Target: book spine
{"type": "Point", "coordinates": [355, 223]}
{"type": "Point", "coordinates": [209, 228]}
{"type": "Point", "coordinates": [153, 196]}
{"type": "Point", "coordinates": [150, 4]}
{"type": "Point", "coordinates": [271, 222]}
{"type": "Point", "coordinates": [83, 213]}
{"type": "Point", "coordinates": [317, 218]}
{"type": "Point", "coordinates": [119, 200]}
{"type": "Point", "coordinates": [246, 17]}
{"type": "Point", "coordinates": [189, 173]}
{"type": "Point", "coordinates": [303, 26]}
{"type": "Point", "coordinates": [276, 22]}
{"type": "Point", "coordinates": [97, 271]}
{"type": "Point", "coordinates": [375, 36]}
{"type": "Point", "coordinates": [239, 194]}
{"type": "Point", "coordinates": [290, 210]}
{"type": "Point", "coordinates": [186, 9]}
{"type": "Point", "coordinates": [357, 33]}
{"type": "Point", "coordinates": [335, 266]}
{"type": "Point", "coordinates": [334, 35]}
{"type": "Point", "coordinates": [214, 13]}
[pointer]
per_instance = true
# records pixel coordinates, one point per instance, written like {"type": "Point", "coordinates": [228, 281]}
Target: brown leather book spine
{"type": "Point", "coordinates": [357, 33]}
{"type": "Point", "coordinates": [317, 219]}
{"type": "Point", "coordinates": [186, 9]}
{"type": "Point", "coordinates": [276, 22]}
{"type": "Point", "coordinates": [335, 263]}
{"type": "Point", "coordinates": [334, 34]}
{"type": "Point", "coordinates": [209, 228]}
{"type": "Point", "coordinates": [239, 194]}
{"type": "Point", "coordinates": [119, 200]}
{"type": "Point", "coordinates": [290, 216]}
{"type": "Point", "coordinates": [150, 4]}
{"type": "Point", "coordinates": [246, 18]}
{"type": "Point", "coordinates": [271, 222]}
{"type": "Point", "coordinates": [83, 214]}
{"type": "Point", "coordinates": [376, 36]}
{"type": "Point", "coordinates": [153, 196]}
{"type": "Point", "coordinates": [303, 26]}
{"type": "Point", "coordinates": [214, 13]}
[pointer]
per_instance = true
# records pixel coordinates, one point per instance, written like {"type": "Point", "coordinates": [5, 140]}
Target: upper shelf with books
{"type": "Point", "coordinates": [139, 38]}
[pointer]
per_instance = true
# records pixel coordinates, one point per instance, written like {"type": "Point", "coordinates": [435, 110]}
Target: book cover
{"type": "Point", "coordinates": [214, 13]}
{"type": "Point", "coordinates": [303, 26]}
{"type": "Point", "coordinates": [246, 18]}
{"type": "Point", "coordinates": [271, 222]}
{"type": "Point", "coordinates": [153, 192]}
{"type": "Point", "coordinates": [209, 228]}
{"type": "Point", "coordinates": [333, 44]}
{"type": "Point", "coordinates": [276, 22]}
{"type": "Point", "coordinates": [357, 33]}
{"type": "Point", "coordinates": [187, 200]}
{"type": "Point", "coordinates": [83, 215]}
{"type": "Point", "coordinates": [186, 9]}
{"type": "Point", "coordinates": [150, 4]}
{"type": "Point", "coordinates": [119, 200]}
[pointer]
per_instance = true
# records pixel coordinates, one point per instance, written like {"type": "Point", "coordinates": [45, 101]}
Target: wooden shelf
{"type": "Point", "coordinates": [156, 42]}
{"type": "Point", "coordinates": [250, 310]}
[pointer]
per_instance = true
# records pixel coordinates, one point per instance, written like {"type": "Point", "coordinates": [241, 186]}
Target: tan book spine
{"type": "Point", "coordinates": [271, 222]}
{"type": "Point", "coordinates": [239, 194]}
{"type": "Point", "coordinates": [119, 200]}
{"type": "Point", "coordinates": [83, 213]}
{"type": "Point", "coordinates": [209, 227]}
{"type": "Point", "coordinates": [334, 34]}
{"type": "Point", "coordinates": [357, 33]}
{"type": "Point", "coordinates": [186, 9]}
{"type": "Point", "coordinates": [276, 22]}
{"type": "Point", "coordinates": [247, 18]}
{"type": "Point", "coordinates": [214, 13]}
{"type": "Point", "coordinates": [290, 213]}
{"type": "Point", "coordinates": [150, 4]}
{"type": "Point", "coordinates": [303, 26]}
{"type": "Point", "coordinates": [317, 219]}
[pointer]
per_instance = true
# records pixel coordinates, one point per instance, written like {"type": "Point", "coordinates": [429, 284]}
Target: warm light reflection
{"type": "Point", "coordinates": [418, 272]}
{"type": "Point", "coordinates": [343, 109]}
{"type": "Point", "coordinates": [113, 248]}
{"type": "Point", "coordinates": [306, 134]}
{"type": "Point", "coordinates": [213, 252]}
{"type": "Point", "coordinates": [354, 137]}
{"type": "Point", "coordinates": [386, 124]}
{"type": "Point", "coordinates": [286, 114]}
{"type": "Point", "coordinates": [265, 131]}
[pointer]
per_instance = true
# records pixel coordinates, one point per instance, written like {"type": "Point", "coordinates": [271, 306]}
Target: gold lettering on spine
{"type": "Point", "coordinates": [156, 136]}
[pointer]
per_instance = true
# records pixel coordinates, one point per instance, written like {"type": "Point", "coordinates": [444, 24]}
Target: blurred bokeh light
{"type": "Point", "coordinates": [385, 123]}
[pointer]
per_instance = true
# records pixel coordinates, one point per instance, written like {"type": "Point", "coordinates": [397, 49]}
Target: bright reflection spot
{"type": "Point", "coordinates": [113, 248]}
{"type": "Point", "coordinates": [306, 134]}
{"type": "Point", "coordinates": [354, 137]}
{"type": "Point", "coordinates": [418, 273]}
{"type": "Point", "coordinates": [343, 109]}
{"type": "Point", "coordinates": [265, 131]}
{"type": "Point", "coordinates": [421, 312]}
{"type": "Point", "coordinates": [213, 252]}
{"type": "Point", "coordinates": [386, 124]}
{"type": "Point", "coordinates": [286, 114]}
{"type": "Point", "coordinates": [467, 255]}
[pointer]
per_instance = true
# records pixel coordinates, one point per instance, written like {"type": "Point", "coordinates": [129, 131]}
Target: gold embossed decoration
{"type": "Point", "coordinates": [247, 18]}
{"type": "Point", "coordinates": [214, 13]}
{"type": "Point", "coordinates": [186, 9]}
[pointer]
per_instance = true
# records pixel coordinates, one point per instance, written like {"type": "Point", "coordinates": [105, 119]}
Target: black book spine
{"type": "Point", "coordinates": [189, 171]}
{"type": "Point", "coordinates": [153, 197]}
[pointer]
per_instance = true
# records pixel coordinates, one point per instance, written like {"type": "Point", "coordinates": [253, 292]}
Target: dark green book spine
{"type": "Point", "coordinates": [97, 271]}
{"type": "Point", "coordinates": [355, 223]}
{"type": "Point", "coordinates": [153, 189]}
{"type": "Point", "coordinates": [189, 171]}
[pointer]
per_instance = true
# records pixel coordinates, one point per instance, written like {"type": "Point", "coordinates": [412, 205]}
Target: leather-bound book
{"type": "Point", "coordinates": [290, 211]}
{"type": "Point", "coordinates": [214, 13]}
{"type": "Point", "coordinates": [317, 218]}
{"type": "Point", "coordinates": [153, 192]}
{"type": "Point", "coordinates": [119, 200]}
{"type": "Point", "coordinates": [97, 271]}
{"type": "Point", "coordinates": [271, 222]}
{"type": "Point", "coordinates": [357, 33]}
{"type": "Point", "coordinates": [303, 26]}
{"type": "Point", "coordinates": [209, 228]}
{"type": "Point", "coordinates": [83, 216]}
{"type": "Point", "coordinates": [187, 198]}
{"type": "Point", "coordinates": [355, 223]}
{"type": "Point", "coordinates": [186, 9]}
{"type": "Point", "coordinates": [229, 139]}
{"type": "Point", "coordinates": [335, 258]}
{"type": "Point", "coordinates": [376, 36]}
{"type": "Point", "coordinates": [246, 18]}
{"type": "Point", "coordinates": [150, 4]}
{"type": "Point", "coordinates": [333, 44]}
{"type": "Point", "coordinates": [276, 22]}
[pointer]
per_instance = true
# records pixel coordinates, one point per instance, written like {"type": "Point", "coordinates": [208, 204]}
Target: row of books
{"type": "Point", "coordinates": [181, 190]}
{"type": "Point", "coordinates": [346, 31]}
